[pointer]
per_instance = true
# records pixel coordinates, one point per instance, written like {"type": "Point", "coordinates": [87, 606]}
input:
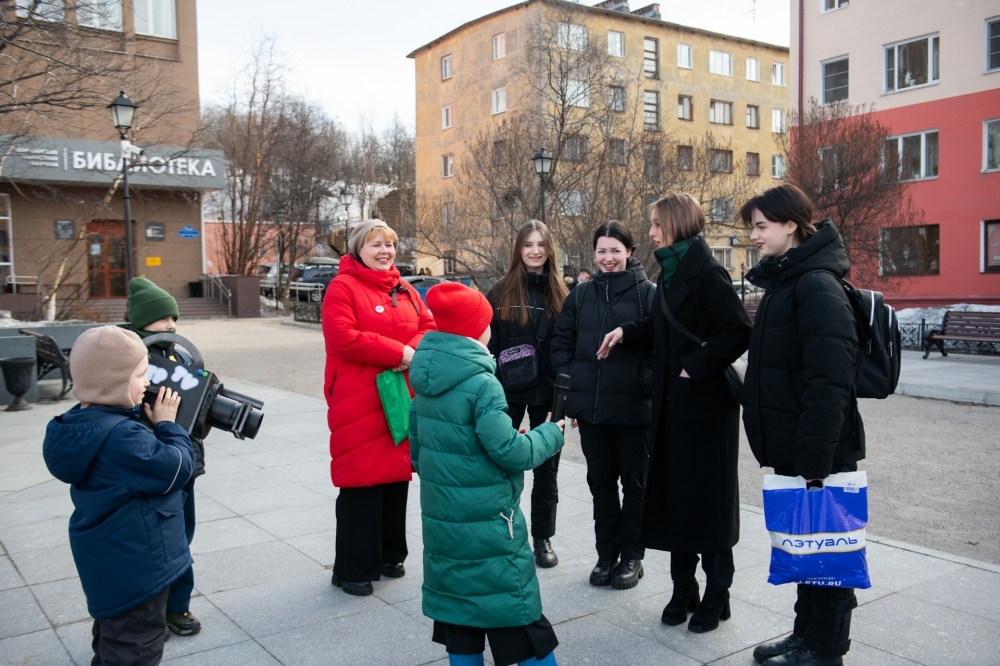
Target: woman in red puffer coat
{"type": "Point", "coordinates": [372, 321]}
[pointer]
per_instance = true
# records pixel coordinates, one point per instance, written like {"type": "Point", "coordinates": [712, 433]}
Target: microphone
{"type": "Point", "coordinates": [558, 401]}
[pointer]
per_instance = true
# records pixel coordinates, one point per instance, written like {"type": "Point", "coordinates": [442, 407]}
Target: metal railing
{"type": "Point", "coordinates": [914, 336]}
{"type": "Point", "coordinates": [212, 287]}
{"type": "Point", "coordinates": [312, 290]}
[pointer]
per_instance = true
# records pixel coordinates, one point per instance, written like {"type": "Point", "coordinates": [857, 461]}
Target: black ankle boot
{"type": "Point", "coordinates": [804, 657]}
{"type": "Point", "coordinates": [713, 607]}
{"type": "Point", "coordinates": [683, 601]}
{"type": "Point", "coordinates": [627, 574]}
{"type": "Point", "coordinates": [545, 557]}
{"type": "Point", "coordinates": [362, 589]}
{"type": "Point", "coordinates": [601, 574]}
{"type": "Point", "coordinates": [765, 651]}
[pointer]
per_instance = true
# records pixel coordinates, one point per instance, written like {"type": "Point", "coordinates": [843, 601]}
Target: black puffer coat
{"type": "Point", "coordinates": [507, 334]}
{"type": "Point", "coordinates": [618, 389]}
{"type": "Point", "coordinates": [799, 408]}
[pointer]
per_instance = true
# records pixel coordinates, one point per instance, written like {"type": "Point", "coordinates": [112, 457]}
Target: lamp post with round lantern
{"type": "Point", "coordinates": [123, 114]}
{"type": "Point", "coordinates": [543, 165]}
{"type": "Point", "coordinates": [346, 198]}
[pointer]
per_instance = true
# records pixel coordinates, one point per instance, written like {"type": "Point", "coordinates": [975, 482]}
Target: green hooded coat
{"type": "Point", "coordinates": [478, 568]}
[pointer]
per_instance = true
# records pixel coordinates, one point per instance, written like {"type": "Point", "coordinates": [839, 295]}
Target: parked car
{"type": "Point", "coordinates": [310, 282]}
{"type": "Point", "coordinates": [423, 282]}
{"type": "Point", "coordinates": [269, 277]}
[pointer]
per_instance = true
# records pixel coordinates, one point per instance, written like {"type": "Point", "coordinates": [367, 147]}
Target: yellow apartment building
{"type": "Point", "coordinates": [694, 100]}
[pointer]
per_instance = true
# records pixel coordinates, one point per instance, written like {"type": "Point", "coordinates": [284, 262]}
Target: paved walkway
{"type": "Point", "coordinates": [265, 545]}
{"type": "Point", "coordinates": [956, 377]}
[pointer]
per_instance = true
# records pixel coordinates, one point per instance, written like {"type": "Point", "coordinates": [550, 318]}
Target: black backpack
{"type": "Point", "coordinates": [877, 371]}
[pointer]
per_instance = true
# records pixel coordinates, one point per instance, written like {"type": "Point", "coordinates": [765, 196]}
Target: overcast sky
{"type": "Point", "coordinates": [350, 56]}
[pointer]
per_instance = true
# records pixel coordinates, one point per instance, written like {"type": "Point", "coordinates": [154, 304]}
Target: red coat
{"type": "Point", "coordinates": [365, 335]}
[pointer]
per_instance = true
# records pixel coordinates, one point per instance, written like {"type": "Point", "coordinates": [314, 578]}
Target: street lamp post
{"type": "Point", "coordinates": [543, 165]}
{"type": "Point", "coordinates": [346, 198]}
{"type": "Point", "coordinates": [122, 114]}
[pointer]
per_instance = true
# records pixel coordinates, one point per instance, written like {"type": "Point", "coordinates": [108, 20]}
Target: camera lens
{"type": "Point", "coordinates": [252, 425]}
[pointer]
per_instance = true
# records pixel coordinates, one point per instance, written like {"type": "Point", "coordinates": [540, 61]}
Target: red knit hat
{"type": "Point", "coordinates": [459, 310]}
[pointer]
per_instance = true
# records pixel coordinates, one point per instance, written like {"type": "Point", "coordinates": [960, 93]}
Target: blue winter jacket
{"type": "Point", "coordinates": [127, 532]}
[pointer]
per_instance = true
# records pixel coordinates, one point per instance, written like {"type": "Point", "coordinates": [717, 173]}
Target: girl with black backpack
{"type": "Point", "coordinates": [526, 302]}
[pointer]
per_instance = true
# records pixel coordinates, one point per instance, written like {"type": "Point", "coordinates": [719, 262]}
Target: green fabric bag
{"type": "Point", "coordinates": [395, 397]}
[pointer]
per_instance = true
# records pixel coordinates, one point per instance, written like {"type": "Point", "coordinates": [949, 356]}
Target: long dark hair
{"type": "Point", "coordinates": [512, 289]}
{"type": "Point", "coordinates": [618, 231]}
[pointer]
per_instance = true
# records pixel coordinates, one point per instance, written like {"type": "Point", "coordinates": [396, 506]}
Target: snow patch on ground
{"type": "Point", "coordinates": [6, 321]}
{"type": "Point", "coordinates": [934, 316]}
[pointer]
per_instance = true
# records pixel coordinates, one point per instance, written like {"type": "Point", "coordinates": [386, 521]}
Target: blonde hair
{"type": "Point", "coordinates": [681, 216]}
{"type": "Point", "coordinates": [387, 233]}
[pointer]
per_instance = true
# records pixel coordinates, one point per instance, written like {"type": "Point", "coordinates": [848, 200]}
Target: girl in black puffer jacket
{"type": "Point", "coordinates": [610, 399]}
{"type": "Point", "coordinates": [799, 408]}
{"type": "Point", "coordinates": [526, 302]}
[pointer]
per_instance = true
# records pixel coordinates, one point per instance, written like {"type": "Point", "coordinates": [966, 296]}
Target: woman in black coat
{"type": "Point", "coordinates": [526, 302]}
{"type": "Point", "coordinates": [692, 495]}
{"type": "Point", "coordinates": [799, 408]}
{"type": "Point", "coordinates": [610, 399]}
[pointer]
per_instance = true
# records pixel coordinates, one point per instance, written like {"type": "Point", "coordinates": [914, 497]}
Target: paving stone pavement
{"type": "Point", "coordinates": [264, 548]}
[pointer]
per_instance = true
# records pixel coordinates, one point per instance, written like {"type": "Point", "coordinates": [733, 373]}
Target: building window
{"type": "Point", "coordinates": [720, 161]}
{"type": "Point", "coordinates": [832, 161]}
{"type": "Point", "coordinates": [576, 148]}
{"type": "Point", "coordinates": [911, 250]}
{"type": "Point", "coordinates": [499, 45]}
{"type": "Point", "coordinates": [753, 69]}
{"type": "Point", "coordinates": [616, 44]}
{"type": "Point", "coordinates": [651, 109]}
{"type": "Point", "coordinates": [499, 100]}
{"type": "Point", "coordinates": [753, 164]}
{"type": "Point", "coordinates": [616, 151]}
{"type": "Point", "coordinates": [651, 161]}
{"type": "Point", "coordinates": [778, 167]}
{"type": "Point", "coordinates": [572, 36]}
{"type": "Point", "coordinates": [685, 56]}
{"type": "Point", "coordinates": [651, 58]}
{"type": "Point", "coordinates": [913, 63]}
{"type": "Point", "coordinates": [720, 113]}
{"type": "Point", "coordinates": [447, 116]}
{"type": "Point", "coordinates": [778, 125]}
{"type": "Point", "coordinates": [685, 158]}
{"type": "Point", "coordinates": [155, 17]}
{"type": "Point", "coordinates": [915, 155]}
{"type": "Point", "coordinates": [723, 255]}
{"type": "Point", "coordinates": [447, 166]}
{"type": "Point", "coordinates": [446, 67]}
{"type": "Point", "coordinates": [991, 246]}
{"type": "Point", "coordinates": [103, 14]}
{"type": "Point", "coordinates": [447, 214]}
{"type": "Point", "coordinates": [720, 62]}
{"type": "Point", "coordinates": [499, 153]}
{"type": "Point", "coordinates": [993, 45]}
{"type": "Point", "coordinates": [830, 5]}
{"type": "Point", "coordinates": [616, 98]}
{"type": "Point", "coordinates": [574, 202]}
{"type": "Point", "coordinates": [753, 116]}
{"type": "Point", "coordinates": [720, 209]}
{"type": "Point", "coordinates": [577, 94]}
{"type": "Point", "coordinates": [41, 10]}
{"type": "Point", "coordinates": [991, 145]}
{"type": "Point", "coordinates": [449, 262]}
{"type": "Point", "coordinates": [835, 79]}
{"type": "Point", "coordinates": [684, 104]}
{"type": "Point", "coordinates": [778, 73]}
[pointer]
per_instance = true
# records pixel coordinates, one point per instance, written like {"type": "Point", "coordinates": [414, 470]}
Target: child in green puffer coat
{"type": "Point", "coordinates": [479, 572]}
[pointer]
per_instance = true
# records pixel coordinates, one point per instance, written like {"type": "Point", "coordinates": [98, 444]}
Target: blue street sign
{"type": "Point", "coordinates": [188, 232]}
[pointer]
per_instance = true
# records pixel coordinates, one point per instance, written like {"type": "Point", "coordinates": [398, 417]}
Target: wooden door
{"type": "Point", "coordinates": [106, 259]}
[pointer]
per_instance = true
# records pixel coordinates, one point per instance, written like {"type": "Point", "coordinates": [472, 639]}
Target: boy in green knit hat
{"type": "Point", "coordinates": [152, 310]}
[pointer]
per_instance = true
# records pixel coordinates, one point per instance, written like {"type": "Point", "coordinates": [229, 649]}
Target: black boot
{"type": "Point", "coordinates": [713, 607]}
{"type": "Point", "coordinates": [765, 651]}
{"type": "Point", "coordinates": [627, 574]}
{"type": "Point", "coordinates": [393, 570]}
{"type": "Point", "coordinates": [545, 557]}
{"type": "Point", "coordinates": [362, 589]}
{"type": "Point", "coordinates": [600, 575]}
{"type": "Point", "coordinates": [683, 601]}
{"type": "Point", "coordinates": [804, 657]}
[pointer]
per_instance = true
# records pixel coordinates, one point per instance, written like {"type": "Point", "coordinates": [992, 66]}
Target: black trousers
{"type": "Point", "coordinates": [509, 645]}
{"type": "Point", "coordinates": [371, 530]}
{"type": "Point", "coordinates": [718, 567]}
{"type": "Point", "coordinates": [545, 488]}
{"type": "Point", "coordinates": [616, 453]}
{"type": "Point", "coordinates": [823, 618]}
{"type": "Point", "coordinates": [134, 638]}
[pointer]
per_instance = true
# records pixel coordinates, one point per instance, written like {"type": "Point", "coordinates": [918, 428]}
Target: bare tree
{"type": "Point", "coordinates": [837, 154]}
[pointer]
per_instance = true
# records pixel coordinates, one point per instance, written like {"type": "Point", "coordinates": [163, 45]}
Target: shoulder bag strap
{"type": "Point", "coordinates": [543, 327]}
{"type": "Point", "coordinates": [676, 324]}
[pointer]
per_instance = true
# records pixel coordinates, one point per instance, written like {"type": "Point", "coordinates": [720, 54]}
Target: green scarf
{"type": "Point", "coordinates": [670, 258]}
{"type": "Point", "coordinates": [145, 334]}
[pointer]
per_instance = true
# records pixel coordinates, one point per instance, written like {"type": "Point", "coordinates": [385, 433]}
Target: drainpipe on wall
{"type": "Point", "coordinates": [802, 41]}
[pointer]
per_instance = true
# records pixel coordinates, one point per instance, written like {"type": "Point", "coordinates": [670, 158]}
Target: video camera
{"type": "Point", "coordinates": [205, 402]}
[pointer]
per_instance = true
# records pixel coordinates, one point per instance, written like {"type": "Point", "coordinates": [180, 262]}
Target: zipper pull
{"type": "Point", "coordinates": [510, 522]}
{"type": "Point", "coordinates": [393, 298]}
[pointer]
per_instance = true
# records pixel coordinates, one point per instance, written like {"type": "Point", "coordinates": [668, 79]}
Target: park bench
{"type": "Point", "coordinates": [965, 327]}
{"type": "Point", "coordinates": [49, 358]}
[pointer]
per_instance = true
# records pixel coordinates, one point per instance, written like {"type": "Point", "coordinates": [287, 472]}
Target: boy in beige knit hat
{"type": "Point", "coordinates": [127, 529]}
